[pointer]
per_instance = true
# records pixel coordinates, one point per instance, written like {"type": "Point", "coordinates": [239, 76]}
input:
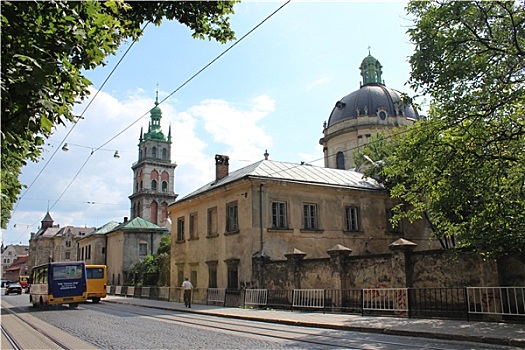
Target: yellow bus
{"type": "Point", "coordinates": [96, 282]}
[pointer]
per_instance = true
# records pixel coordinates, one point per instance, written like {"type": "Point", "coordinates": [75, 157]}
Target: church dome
{"type": "Point", "coordinates": [372, 99]}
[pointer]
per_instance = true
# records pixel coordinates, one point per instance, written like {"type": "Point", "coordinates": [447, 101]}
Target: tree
{"type": "Point", "coordinates": [45, 47]}
{"type": "Point", "coordinates": [463, 169]}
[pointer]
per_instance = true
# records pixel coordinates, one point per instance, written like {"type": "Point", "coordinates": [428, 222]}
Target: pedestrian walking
{"type": "Point", "coordinates": [187, 289]}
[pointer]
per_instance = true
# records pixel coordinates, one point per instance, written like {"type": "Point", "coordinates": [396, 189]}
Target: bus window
{"type": "Point", "coordinates": [96, 282]}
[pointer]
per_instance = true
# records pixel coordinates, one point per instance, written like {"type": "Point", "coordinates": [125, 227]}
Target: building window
{"type": "Point", "coordinates": [68, 255]}
{"type": "Point", "coordinates": [193, 226]}
{"type": "Point", "coordinates": [351, 219]}
{"type": "Point", "coordinates": [103, 250]}
{"type": "Point", "coordinates": [193, 278]}
{"type": "Point", "coordinates": [180, 229]}
{"type": "Point", "coordinates": [279, 216]}
{"type": "Point", "coordinates": [89, 252]}
{"type": "Point", "coordinates": [164, 186]}
{"type": "Point", "coordinates": [212, 277]}
{"type": "Point", "coordinates": [233, 273]}
{"type": "Point", "coordinates": [68, 244]}
{"type": "Point", "coordinates": [212, 221]}
{"type": "Point", "coordinates": [164, 154]}
{"type": "Point", "coordinates": [180, 277]}
{"type": "Point", "coordinates": [154, 185]}
{"type": "Point", "coordinates": [143, 249]}
{"type": "Point", "coordinates": [310, 221]}
{"type": "Point", "coordinates": [340, 160]}
{"type": "Point", "coordinates": [389, 225]}
{"type": "Point", "coordinates": [232, 219]}
{"type": "Point", "coordinates": [154, 152]}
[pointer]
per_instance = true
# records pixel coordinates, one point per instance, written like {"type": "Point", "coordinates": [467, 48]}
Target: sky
{"type": "Point", "coordinates": [272, 91]}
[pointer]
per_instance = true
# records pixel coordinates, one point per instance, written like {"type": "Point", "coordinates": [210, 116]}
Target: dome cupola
{"type": "Point", "coordinates": [358, 116]}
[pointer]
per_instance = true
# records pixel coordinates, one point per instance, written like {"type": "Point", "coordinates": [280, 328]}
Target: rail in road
{"type": "Point", "coordinates": [21, 330]}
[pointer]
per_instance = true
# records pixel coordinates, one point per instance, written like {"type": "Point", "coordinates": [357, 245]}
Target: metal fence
{"type": "Point", "coordinates": [507, 301]}
{"type": "Point", "coordinates": [505, 304]}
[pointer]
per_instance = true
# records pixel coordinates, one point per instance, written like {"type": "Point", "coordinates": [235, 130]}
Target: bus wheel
{"type": "Point", "coordinates": [96, 300]}
{"type": "Point", "coordinates": [73, 305]}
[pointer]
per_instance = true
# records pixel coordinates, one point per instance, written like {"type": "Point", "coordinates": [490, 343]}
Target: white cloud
{"type": "Point", "coordinates": [93, 187]}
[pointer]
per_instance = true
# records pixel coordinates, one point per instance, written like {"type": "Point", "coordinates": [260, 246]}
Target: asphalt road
{"type": "Point", "coordinates": [115, 326]}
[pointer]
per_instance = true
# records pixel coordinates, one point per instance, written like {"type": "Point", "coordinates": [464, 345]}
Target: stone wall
{"type": "Point", "coordinates": [402, 268]}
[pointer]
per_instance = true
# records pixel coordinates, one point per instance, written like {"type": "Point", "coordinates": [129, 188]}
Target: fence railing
{"type": "Point", "coordinates": [216, 295]}
{"type": "Point", "coordinates": [496, 300]}
{"type": "Point", "coordinates": [388, 300]}
{"type": "Point", "coordinates": [481, 303]}
{"type": "Point", "coordinates": [256, 297]}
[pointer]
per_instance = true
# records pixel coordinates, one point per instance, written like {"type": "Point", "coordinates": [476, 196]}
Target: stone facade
{"type": "Point", "coordinates": [53, 243]}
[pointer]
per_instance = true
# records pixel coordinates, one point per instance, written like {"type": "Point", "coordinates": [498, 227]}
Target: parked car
{"type": "Point", "coordinates": [4, 283]}
{"type": "Point", "coordinates": [14, 287]}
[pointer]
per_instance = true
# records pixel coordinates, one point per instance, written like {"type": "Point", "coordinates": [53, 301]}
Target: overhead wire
{"type": "Point", "coordinates": [78, 119]}
{"type": "Point", "coordinates": [171, 94]}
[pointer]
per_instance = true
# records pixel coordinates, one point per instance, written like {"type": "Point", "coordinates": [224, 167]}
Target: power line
{"type": "Point", "coordinates": [170, 95]}
{"type": "Point", "coordinates": [77, 120]}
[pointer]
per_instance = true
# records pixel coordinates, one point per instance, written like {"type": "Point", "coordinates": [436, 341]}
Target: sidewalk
{"type": "Point", "coordinates": [510, 334]}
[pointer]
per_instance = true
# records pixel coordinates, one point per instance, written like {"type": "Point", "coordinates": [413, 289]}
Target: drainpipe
{"type": "Point", "coordinates": [261, 212]}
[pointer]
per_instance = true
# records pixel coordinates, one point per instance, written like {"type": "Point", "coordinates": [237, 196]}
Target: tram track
{"type": "Point", "coordinates": [25, 331]}
{"type": "Point", "coordinates": [345, 339]}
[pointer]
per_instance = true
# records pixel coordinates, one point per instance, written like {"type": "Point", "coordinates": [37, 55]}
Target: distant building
{"type": "Point", "coordinates": [153, 174]}
{"type": "Point", "coordinates": [93, 246]}
{"type": "Point", "coordinates": [18, 268]}
{"type": "Point", "coordinates": [53, 243]}
{"type": "Point", "coordinates": [127, 244]}
{"type": "Point", "coordinates": [10, 253]}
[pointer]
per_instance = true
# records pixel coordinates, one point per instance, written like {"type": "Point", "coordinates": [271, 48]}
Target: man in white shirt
{"type": "Point", "coordinates": [187, 288]}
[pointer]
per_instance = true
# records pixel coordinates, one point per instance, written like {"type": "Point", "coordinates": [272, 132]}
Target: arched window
{"type": "Point", "coordinates": [164, 186]}
{"type": "Point", "coordinates": [154, 212]}
{"type": "Point", "coordinates": [340, 160]}
{"type": "Point", "coordinates": [154, 185]}
{"type": "Point", "coordinates": [154, 152]}
{"type": "Point", "coordinates": [164, 154]}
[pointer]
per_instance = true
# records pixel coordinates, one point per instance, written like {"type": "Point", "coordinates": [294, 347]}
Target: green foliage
{"type": "Point", "coordinates": [154, 269]}
{"type": "Point", "coordinates": [45, 47]}
{"type": "Point", "coordinates": [463, 169]}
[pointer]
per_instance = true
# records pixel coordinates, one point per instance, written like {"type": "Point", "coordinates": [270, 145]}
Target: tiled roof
{"type": "Point", "coordinates": [291, 172]}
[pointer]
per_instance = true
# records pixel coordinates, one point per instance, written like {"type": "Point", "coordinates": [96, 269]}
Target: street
{"type": "Point", "coordinates": [115, 326]}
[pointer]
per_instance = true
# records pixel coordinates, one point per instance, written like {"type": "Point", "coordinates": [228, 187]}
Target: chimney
{"type": "Point", "coordinates": [125, 219]}
{"type": "Point", "coordinates": [221, 166]}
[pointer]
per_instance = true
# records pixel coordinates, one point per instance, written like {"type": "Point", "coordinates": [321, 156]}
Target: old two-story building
{"type": "Point", "coordinates": [271, 210]}
{"type": "Point", "coordinates": [54, 243]}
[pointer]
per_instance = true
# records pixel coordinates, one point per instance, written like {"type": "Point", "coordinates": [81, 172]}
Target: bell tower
{"type": "Point", "coordinates": [153, 173]}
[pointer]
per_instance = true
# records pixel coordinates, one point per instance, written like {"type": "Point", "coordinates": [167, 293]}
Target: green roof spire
{"type": "Point", "coordinates": [371, 70]}
{"type": "Point", "coordinates": [155, 131]}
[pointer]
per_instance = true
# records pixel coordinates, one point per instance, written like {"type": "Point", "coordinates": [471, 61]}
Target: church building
{"type": "Point", "coordinates": [153, 173]}
{"type": "Point", "coordinates": [363, 113]}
